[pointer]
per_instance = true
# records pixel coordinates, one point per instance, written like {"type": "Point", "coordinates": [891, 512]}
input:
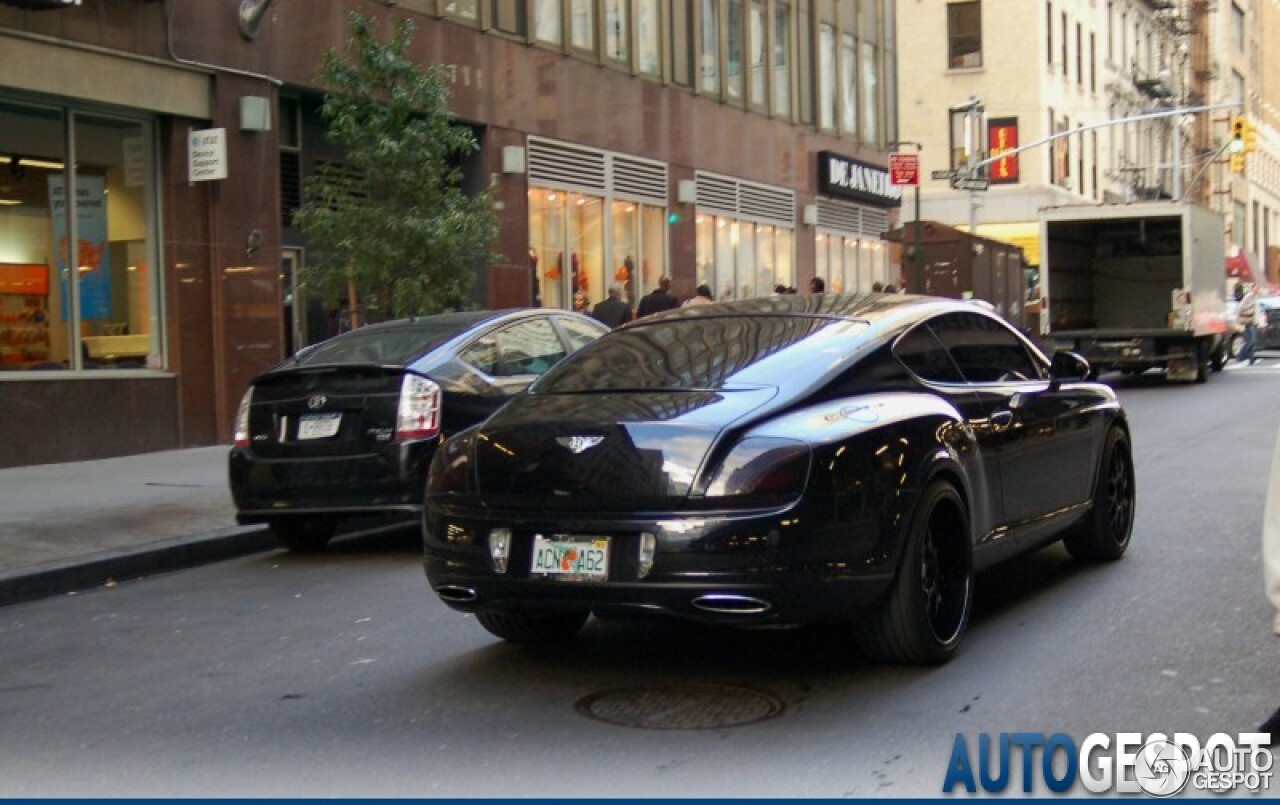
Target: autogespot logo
{"type": "Point", "coordinates": [1126, 763]}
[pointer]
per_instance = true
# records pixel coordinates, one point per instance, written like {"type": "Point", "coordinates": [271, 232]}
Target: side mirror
{"type": "Point", "coordinates": [1068, 366]}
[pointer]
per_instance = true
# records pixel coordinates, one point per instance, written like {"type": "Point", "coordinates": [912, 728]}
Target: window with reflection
{"type": "Point", "coordinates": [462, 9]}
{"type": "Point", "coordinates": [582, 25]}
{"type": "Point", "coordinates": [756, 29]}
{"type": "Point", "coordinates": [848, 84]}
{"type": "Point", "coordinates": [782, 59]}
{"type": "Point", "coordinates": [101, 235]}
{"type": "Point", "coordinates": [648, 37]}
{"type": "Point", "coordinates": [734, 33]}
{"type": "Point", "coordinates": [826, 76]}
{"type": "Point", "coordinates": [616, 30]}
{"type": "Point", "coordinates": [709, 51]}
{"type": "Point", "coordinates": [547, 21]}
{"type": "Point", "coordinates": [682, 51]}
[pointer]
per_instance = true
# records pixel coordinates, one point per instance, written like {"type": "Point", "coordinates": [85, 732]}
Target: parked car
{"type": "Point", "coordinates": [784, 460]}
{"type": "Point", "coordinates": [348, 427]}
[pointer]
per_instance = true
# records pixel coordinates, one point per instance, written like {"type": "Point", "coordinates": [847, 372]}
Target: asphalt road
{"type": "Point", "coordinates": [341, 675]}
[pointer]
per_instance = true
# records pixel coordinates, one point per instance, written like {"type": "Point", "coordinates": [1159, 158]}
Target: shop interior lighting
{"type": "Point", "coordinates": [27, 162]}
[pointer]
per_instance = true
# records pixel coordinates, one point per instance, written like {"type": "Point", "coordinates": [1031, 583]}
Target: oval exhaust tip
{"type": "Point", "coordinates": [456, 595]}
{"type": "Point", "coordinates": [726, 604]}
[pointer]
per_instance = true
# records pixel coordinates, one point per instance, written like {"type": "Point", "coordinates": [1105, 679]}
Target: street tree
{"type": "Point", "coordinates": [390, 228]}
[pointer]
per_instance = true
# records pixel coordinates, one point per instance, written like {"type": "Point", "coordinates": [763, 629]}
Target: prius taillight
{"type": "Point", "coordinates": [418, 415]}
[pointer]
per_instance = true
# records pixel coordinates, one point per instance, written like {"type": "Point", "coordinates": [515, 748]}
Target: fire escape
{"type": "Point", "coordinates": [1175, 74]}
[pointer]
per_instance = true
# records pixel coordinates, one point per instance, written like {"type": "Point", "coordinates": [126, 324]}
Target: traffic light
{"type": "Point", "coordinates": [1250, 138]}
{"type": "Point", "coordinates": [1237, 163]}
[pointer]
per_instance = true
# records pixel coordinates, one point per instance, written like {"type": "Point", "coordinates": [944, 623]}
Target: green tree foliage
{"type": "Point", "coordinates": [392, 221]}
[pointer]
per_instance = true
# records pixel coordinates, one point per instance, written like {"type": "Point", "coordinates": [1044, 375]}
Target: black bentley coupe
{"type": "Point", "coordinates": [783, 460]}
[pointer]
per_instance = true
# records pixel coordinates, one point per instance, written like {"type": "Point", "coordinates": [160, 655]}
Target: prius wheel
{"type": "Point", "coordinates": [532, 627]}
{"type": "Point", "coordinates": [927, 611]}
{"type": "Point", "coordinates": [1104, 534]}
{"type": "Point", "coordinates": [303, 536]}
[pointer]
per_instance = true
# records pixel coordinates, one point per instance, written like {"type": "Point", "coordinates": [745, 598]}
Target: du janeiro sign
{"type": "Point", "coordinates": [850, 178]}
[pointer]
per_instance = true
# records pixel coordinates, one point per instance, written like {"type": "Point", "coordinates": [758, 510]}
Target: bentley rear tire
{"type": "Point", "coordinates": [926, 613]}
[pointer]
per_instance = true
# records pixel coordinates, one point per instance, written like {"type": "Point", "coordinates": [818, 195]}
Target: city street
{"type": "Point", "coordinates": [342, 675]}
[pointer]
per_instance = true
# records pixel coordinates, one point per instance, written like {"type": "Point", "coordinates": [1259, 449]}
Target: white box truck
{"type": "Point", "coordinates": [1136, 286]}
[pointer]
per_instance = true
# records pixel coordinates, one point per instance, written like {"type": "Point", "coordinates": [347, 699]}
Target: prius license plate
{"type": "Point", "coordinates": [564, 558]}
{"type": "Point", "coordinates": [318, 426]}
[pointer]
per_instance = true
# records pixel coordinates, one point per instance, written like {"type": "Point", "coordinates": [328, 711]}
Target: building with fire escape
{"type": "Point", "coordinates": [1053, 67]}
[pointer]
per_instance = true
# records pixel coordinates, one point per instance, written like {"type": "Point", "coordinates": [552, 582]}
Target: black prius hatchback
{"type": "Point", "coordinates": [347, 427]}
{"type": "Point", "coordinates": [780, 461]}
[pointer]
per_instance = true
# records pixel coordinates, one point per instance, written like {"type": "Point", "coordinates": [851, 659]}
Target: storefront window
{"type": "Point", "coordinates": [742, 259]}
{"type": "Point", "coordinates": [850, 264]}
{"type": "Point", "coordinates": [625, 221]}
{"type": "Point", "coordinates": [586, 251]}
{"type": "Point", "coordinates": [546, 247]}
{"type": "Point", "coordinates": [653, 254]}
{"type": "Point", "coordinates": [580, 245]}
{"type": "Point", "coordinates": [107, 318]}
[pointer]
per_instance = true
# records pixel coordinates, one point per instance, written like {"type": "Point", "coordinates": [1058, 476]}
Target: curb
{"type": "Point", "coordinates": [174, 554]}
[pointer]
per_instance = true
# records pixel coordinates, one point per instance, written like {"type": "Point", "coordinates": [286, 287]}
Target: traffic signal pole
{"type": "Point", "coordinates": [974, 168]}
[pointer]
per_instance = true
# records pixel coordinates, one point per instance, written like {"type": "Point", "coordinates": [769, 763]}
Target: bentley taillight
{"type": "Point", "coordinates": [241, 435]}
{"type": "Point", "coordinates": [418, 416]}
{"type": "Point", "coordinates": [761, 470]}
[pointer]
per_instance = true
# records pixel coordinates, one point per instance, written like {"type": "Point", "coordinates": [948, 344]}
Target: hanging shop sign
{"type": "Point", "coordinates": [851, 178]}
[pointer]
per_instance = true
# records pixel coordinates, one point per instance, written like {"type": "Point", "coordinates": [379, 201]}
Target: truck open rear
{"type": "Point", "coordinates": [1136, 286]}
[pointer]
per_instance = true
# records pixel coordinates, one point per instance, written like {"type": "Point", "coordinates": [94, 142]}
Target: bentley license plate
{"type": "Point", "coordinates": [565, 558]}
{"type": "Point", "coordinates": [318, 426]}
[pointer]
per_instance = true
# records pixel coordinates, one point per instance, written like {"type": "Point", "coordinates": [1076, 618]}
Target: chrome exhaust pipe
{"type": "Point", "coordinates": [726, 604]}
{"type": "Point", "coordinates": [454, 594]}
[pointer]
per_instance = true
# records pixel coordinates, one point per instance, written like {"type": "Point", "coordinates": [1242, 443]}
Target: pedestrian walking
{"type": "Point", "coordinates": [612, 311]}
{"type": "Point", "coordinates": [701, 296]}
{"type": "Point", "coordinates": [657, 300]}
{"type": "Point", "coordinates": [1247, 315]}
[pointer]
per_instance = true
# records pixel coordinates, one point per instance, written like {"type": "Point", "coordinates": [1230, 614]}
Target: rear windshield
{"type": "Point", "coordinates": [705, 353]}
{"type": "Point", "coordinates": [385, 346]}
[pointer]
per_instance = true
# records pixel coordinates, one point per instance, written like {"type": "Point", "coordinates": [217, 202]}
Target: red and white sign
{"type": "Point", "coordinates": [904, 169]}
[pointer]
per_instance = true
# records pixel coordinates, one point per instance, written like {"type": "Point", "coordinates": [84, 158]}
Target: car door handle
{"type": "Point", "coordinates": [1001, 420]}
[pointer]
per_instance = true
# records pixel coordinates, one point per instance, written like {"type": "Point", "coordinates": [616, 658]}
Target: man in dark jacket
{"type": "Point", "coordinates": [659, 300]}
{"type": "Point", "coordinates": [612, 312]}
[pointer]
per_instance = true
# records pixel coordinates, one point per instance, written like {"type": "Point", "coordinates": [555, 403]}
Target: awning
{"type": "Point", "coordinates": [1238, 268]}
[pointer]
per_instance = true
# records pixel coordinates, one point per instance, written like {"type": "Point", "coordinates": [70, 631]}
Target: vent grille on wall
{"type": "Point", "coordinates": [557, 164]}
{"type": "Point", "coordinates": [851, 218]}
{"type": "Point", "coordinates": [746, 200]}
{"type": "Point", "coordinates": [640, 179]}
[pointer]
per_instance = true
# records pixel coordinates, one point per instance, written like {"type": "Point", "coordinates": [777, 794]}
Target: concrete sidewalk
{"type": "Point", "coordinates": [73, 526]}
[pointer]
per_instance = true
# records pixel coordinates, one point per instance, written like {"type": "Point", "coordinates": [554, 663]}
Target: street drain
{"type": "Point", "coordinates": [681, 707]}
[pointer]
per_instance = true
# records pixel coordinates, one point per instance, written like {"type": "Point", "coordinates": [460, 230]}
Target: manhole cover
{"type": "Point", "coordinates": [681, 707]}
